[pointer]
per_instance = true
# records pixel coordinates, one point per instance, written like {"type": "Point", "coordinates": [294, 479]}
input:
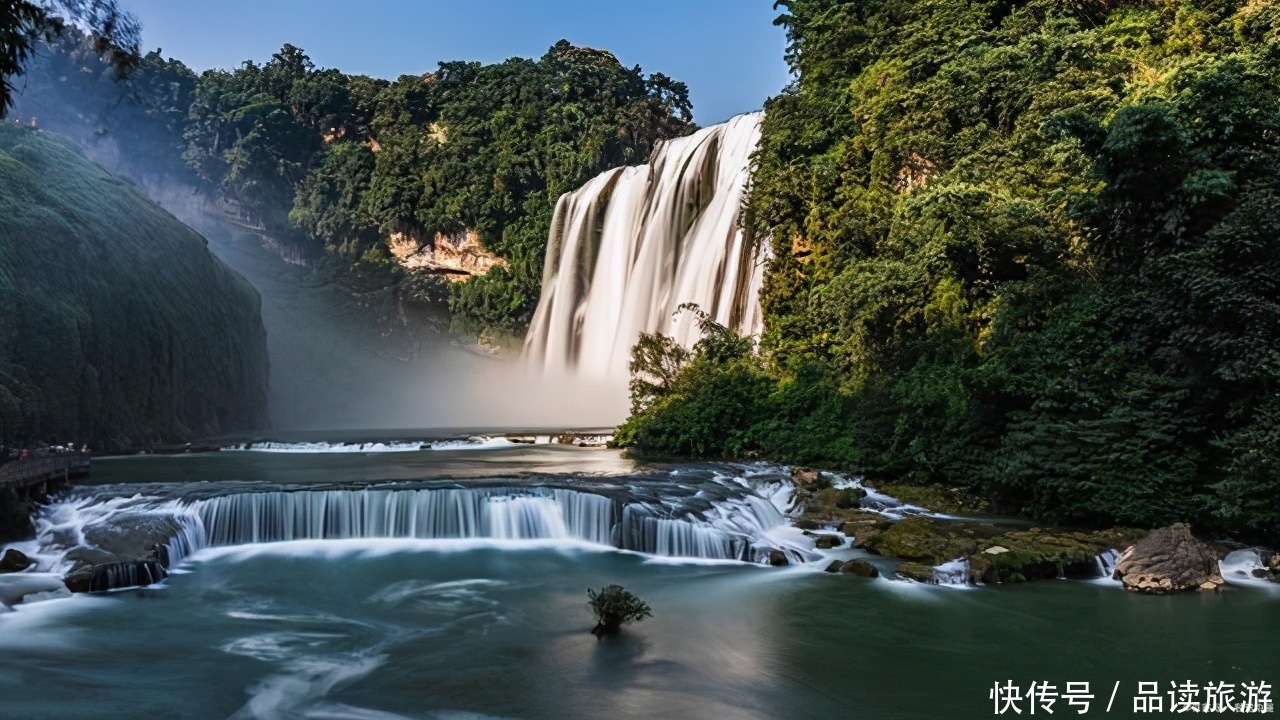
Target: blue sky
{"type": "Point", "coordinates": [728, 51]}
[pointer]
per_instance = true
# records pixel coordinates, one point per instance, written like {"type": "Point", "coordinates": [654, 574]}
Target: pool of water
{"type": "Point", "coordinates": [481, 628]}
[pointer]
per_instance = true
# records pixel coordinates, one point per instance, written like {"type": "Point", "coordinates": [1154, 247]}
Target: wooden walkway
{"type": "Point", "coordinates": [22, 474]}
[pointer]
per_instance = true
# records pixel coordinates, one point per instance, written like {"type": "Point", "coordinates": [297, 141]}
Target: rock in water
{"type": "Point", "coordinates": [778, 558]}
{"type": "Point", "coordinates": [120, 327]}
{"type": "Point", "coordinates": [861, 568]}
{"type": "Point", "coordinates": [14, 561]}
{"type": "Point", "coordinates": [1168, 560]}
{"type": "Point", "coordinates": [827, 542]}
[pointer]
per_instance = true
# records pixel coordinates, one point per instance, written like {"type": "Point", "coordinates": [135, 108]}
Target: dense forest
{"type": "Point", "coordinates": [339, 167]}
{"type": "Point", "coordinates": [1031, 249]}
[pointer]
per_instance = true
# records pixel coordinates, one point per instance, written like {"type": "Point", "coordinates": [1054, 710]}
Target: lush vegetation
{"type": "Point", "coordinates": [111, 33]}
{"type": "Point", "coordinates": [613, 606]}
{"type": "Point", "coordinates": [120, 329]}
{"type": "Point", "coordinates": [1027, 248]}
{"type": "Point", "coordinates": [339, 166]}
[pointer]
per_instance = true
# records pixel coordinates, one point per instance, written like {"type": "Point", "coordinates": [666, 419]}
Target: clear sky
{"type": "Point", "coordinates": [727, 51]}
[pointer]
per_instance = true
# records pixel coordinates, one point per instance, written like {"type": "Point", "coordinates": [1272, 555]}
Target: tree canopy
{"type": "Point", "coordinates": [1028, 248]}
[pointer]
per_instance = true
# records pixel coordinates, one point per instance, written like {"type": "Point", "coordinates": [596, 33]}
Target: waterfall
{"type": "Point", "coordinates": [734, 529]}
{"type": "Point", "coordinates": [741, 525]}
{"type": "Point", "coordinates": [1106, 563]}
{"type": "Point", "coordinates": [953, 574]}
{"type": "Point", "coordinates": [633, 244]}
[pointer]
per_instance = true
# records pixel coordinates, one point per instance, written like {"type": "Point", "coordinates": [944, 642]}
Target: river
{"type": "Point", "coordinates": [492, 622]}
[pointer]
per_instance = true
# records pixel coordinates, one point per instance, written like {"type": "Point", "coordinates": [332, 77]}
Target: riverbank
{"type": "Point", "coordinates": [955, 543]}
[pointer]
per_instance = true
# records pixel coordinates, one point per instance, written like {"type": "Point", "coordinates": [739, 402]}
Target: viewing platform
{"type": "Point", "coordinates": [28, 472]}
{"type": "Point", "coordinates": [26, 482]}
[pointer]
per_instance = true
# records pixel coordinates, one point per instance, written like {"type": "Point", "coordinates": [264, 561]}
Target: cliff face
{"type": "Point", "coordinates": [118, 327]}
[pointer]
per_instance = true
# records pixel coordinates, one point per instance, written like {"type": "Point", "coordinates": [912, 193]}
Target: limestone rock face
{"type": "Point", "coordinates": [1168, 560]}
{"type": "Point", "coordinates": [455, 257]}
{"type": "Point", "coordinates": [120, 328]}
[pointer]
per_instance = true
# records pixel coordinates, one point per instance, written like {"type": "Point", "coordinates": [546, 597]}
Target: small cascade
{"type": "Point", "coordinates": [954, 573]}
{"type": "Point", "coordinates": [739, 525]}
{"type": "Point", "coordinates": [633, 244]}
{"type": "Point", "coordinates": [1246, 567]}
{"type": "Point", "coordinates": [1106, 562]}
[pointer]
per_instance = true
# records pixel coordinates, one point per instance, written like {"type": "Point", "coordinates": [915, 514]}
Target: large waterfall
{"type": "Point", "coordinates": [635, 243]}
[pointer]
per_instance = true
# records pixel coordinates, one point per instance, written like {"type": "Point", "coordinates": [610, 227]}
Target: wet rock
{"type": "Point", "coordinates": [14, 561]}
{"type": "Point", "coordinates": [919, 540]}
{"type": "Point", "coordinates": [809, 524]}
{"type": "Point", "coordinates": [1168, 560]}
{"type": "Point", "coordinates": [861, 568]}
{"type": "Point", "coordinates": [778, 558]}
{"type": "Point", "coordinates": [995, 554]}
{"type": "Point", "coordinates": [80, 557]}
{"type": "Point", "coordinates": [804, 476]}
{"type": "Point", "coordinates": [80, 581]}
{"type": "Point", "coordinates": [834, 566]}
{"type": "Point", "coordinates": [131, 536]}
{"type": "Point", "coordinates": [827, 542]}
{"type": "Point", "coordinates": [915, 571]}
{"type": "Point", "coordinates": [860, 525]}
{"type": "Point", "coordinates": [937, 498]}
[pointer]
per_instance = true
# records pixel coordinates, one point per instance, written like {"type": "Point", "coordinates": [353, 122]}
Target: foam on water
{"type": "Point", "coordinates": [475, 443]}
{"type": "Point", "coordinates": [1238, 566]}
{"type": "Point", "coordinates": [953, 574]}
{"type": "Point", "coordinates": [326, 447]}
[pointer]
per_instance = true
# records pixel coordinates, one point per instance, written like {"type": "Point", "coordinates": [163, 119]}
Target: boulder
{"type": "Point", "coordinates": [80, 581]}
{"type": "Point", "coordinates": [861, 568]}
{"type": "Point", "coordinates": [778, 558]}
{"type": "Point", "coordinates": [131, 536]}
{"type": "Point", "coordinates": [834, 566]}
{"type": "Point", "coordinates": [916, 571]}
{"type": "Point", "coordinates": [826, 542]}
{"type": "Point", "coordinates": [14, 561]}
{"type": "Point", "coordinates": [804, 476]}
{"type": "Point", "coordinates": [1168, 560]}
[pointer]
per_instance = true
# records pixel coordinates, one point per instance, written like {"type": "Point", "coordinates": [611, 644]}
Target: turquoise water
{"type": "Point", "coordinates": [481, 628]}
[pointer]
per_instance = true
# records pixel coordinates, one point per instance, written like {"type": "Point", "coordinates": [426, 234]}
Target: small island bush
{"type": "Point", "coordinates": [613, 606]}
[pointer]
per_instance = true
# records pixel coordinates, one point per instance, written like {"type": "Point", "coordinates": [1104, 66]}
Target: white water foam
{"type": "Point", "coordinates": [1238, 566]}
{"type": "Point", "coordinates": [953, 574]}
{"type": "Point", "coordinates": [478, 442]}
{"type": "Point", "coordinates": [326, 447]}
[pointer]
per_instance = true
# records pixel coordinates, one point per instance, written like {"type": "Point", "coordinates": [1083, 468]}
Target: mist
{"type": "Point", "coordinates": [342, 362]}
{"type": "Point", "coordinates": [339, 361]}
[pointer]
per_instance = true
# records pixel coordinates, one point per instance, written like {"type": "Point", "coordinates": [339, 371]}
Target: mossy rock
{"type": "Point", "coordinates": [936, 498]}
{"type": "Point", "coordinates": [920, 540]}
{"type": "Point", "coordinates": [916, 571]}
{"type": "Point", "coordinates": [1018, 555]}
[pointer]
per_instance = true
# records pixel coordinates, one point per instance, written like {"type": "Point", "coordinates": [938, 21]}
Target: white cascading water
{"type": "Point", "coordinates": [743, 526]}
{"type": "Point", "coordinates": [635, 243]}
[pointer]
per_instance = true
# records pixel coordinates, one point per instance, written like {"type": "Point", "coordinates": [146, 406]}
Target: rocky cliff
{"type": "Point", "coordinates": [118, 327]}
